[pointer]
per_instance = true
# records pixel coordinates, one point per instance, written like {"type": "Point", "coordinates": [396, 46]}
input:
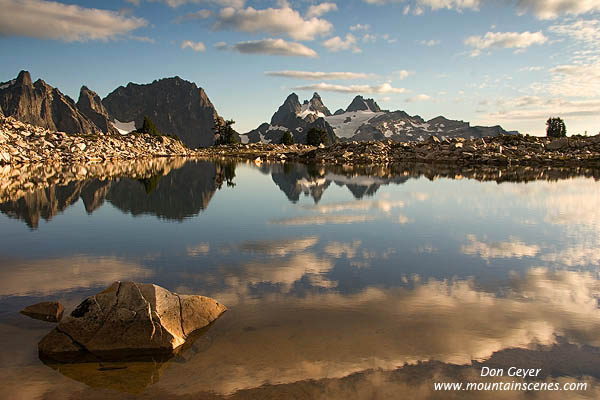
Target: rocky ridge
{"type": "Point", "coordinates": [176, 107]}
{"type": "Point", "coordinates": [363, 120]}
{"type": "Point", "coordinates": [494, 151]}
{"type": "Point", "coordinates": [23, 143]}
{"type": "Point", "coordinates": [43, 105]}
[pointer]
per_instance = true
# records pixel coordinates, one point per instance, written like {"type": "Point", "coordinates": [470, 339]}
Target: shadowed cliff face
{"type": "Point", "coordinates": [40, 104]}
{"type": "Point", "coordinates": [176, 106]}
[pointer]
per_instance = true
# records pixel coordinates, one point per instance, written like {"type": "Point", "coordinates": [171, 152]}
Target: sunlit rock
{"type": "Point", "coordinates": [50, 311]}
{"type": "Point", "coordinates": [127, 320]}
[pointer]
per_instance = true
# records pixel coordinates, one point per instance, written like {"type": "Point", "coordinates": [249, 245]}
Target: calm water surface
{"type": "Point", "coordinates": [339, 284]}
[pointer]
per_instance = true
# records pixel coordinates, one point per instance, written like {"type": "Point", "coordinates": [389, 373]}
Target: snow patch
{"type": "Point", "coordinates": [306, 110]}
{"type": "Point", "coordinates": [124, 127]}
{"type": "Point", "coordinates": [349, 129]}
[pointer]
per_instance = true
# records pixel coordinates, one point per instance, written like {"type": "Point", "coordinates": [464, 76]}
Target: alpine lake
{"type": "Point", "coordinates": [340, 282]}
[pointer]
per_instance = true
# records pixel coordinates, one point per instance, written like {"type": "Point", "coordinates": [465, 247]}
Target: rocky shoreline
{"type": "Point", "coordinates": [22, 143]}
{"type": "Point", "coordinates": [504, 150]}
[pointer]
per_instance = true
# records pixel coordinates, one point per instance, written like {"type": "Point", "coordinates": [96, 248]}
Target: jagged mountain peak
{"type": "Point", "coordinates": [175, 105]}
{"type": "Point", "coordinates": [24, 78]}
{"type": "Point", "coordinates": [43, 105]}
{"type": "Point", "coordinates": [359, 103]}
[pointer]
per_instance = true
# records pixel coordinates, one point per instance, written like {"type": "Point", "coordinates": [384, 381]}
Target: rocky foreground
{"type": "Point", "coordinates": [25, 143]}
{"type": "Point", "coordinates": [501, 150]}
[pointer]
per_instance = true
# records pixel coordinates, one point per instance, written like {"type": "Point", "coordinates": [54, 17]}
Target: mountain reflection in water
{"type": "Point", "coordinates": [354, 283]}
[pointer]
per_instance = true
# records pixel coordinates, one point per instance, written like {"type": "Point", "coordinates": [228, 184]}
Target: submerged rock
{"type": "Point", "coordinates": [128, 320]}
{"type": "Point", "coordinates": [51, 311]}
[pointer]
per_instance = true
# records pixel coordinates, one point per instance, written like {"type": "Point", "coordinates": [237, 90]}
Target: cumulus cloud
{"type": "Point", "coordinates": [538, 307]}
{"type": "Point", "coordinates": [279, 247]}
{"type": "Point", "coordinates": [550, 9]}
{"type": "Point", "coordinates": [360, 27]}
{"type": "Point", "coordinates": [177, 3]}
{"type": "Point", "coordinates": [197, 250]}
{"type": "Point", "coordinates": [419, 97]}
{"type": "Point", "coordinates": [402, 74]}
{"type": "Point", "coordinates": [316, 10]}
{"type": "Point", "coordinates": [315, 75]}
{"type": "Point", "coordinates": [430, 43]}
{"type": "Point", "coordinates": [363, 205]}
{"type": "Point", "coordinates": [51, 20]}
{"type": "Point", "coordinates": [196, 46]}
{"type": "Point", "coordinates": [513, 248]}
{"type": "Point", "coordinates": [507, 40]}
{"type": "Point", "coordinates": [284, 21]}
{"type": "Point", "coordinates": [273, 47]}
{"type": "Point", "coordinates": [336, 43]}
{"type": "Point", "coordinates": [202, 14]}
{"type": "Point", "coordinates": [366, 89]}
{"type": "Point", "coordinates": [324, 220]}
{"type": "Point", "coordinates": [433, 4]}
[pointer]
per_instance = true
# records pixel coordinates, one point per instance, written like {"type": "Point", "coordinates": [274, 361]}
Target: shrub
{"type": "Point", "coordinates": [224, 133]}
{"type": "Point", "coordinates": [287, 138]}
{"type": "Point", "coordinates": [555, 127]}
{"type": "Point", "coordinates": [316, 136]}
{"type": "Point", "coordinates": [149, 127]}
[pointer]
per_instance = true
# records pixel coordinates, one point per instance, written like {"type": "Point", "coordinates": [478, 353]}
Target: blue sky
{"type": "Point", "coordinates": [508, 62]}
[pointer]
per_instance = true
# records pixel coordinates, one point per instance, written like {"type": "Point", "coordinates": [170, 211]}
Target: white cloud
{"type": "Point", "coordinates": [196, 46]}
{"type": "Point", "coordinates": [274, 47]}
{"type": "Point", "coordinates": [177, 3]}
{"type": "Point", "coordinates": [272, 20]}
{"type": "Point", "coordinates": [315, 75]}
{"type": "Point", "coordinates": [197, 250]}
{"type": "Point", "coordinates": [430, 43]}
{"type": "Point", "coordinates": [583, 31]}
{"type": "Point", "coordinates": [364, 205]}
{"type": "Point", "coordinates": [320, 9]}
{"type": "Point", "coordinates": [531, 69]}
{"type": "Point", "coordinates": [505, 40]}
{"type": "Point", "coordinates": [201, 14]}
{"type": "Point", "coordinates": [402, 74]}
{"type": "Point", "coordinates": [360, 27]}
{"type": "Point", "coordinates": [432, 4]}
{"type": "Point", "coordinates": [419, 97]}
{"type": "Point", "coordinates": [323, 220]}
{"type": "Point", "coordinates": [221, 46]}
{"type": "Point", "coordinates": [51, 20]}
{"type": "Point", "coordinates": [367, 37]}
{"type": "Point", "coordinates": [513, 248]}
{"type": "Point", "coordinates": [366, 89]}
{"type": "Point", "coordinates": [336, 43]}
{"type": "Point", "coordinates": [550, 9]}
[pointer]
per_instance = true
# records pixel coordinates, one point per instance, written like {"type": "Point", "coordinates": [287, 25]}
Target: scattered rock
{"type": "Point", "coordinates": [129, 319]}
{"type": "Point", "coordinates": [558, 144]}
{"type": "Point", "coordinates": [51, 311]}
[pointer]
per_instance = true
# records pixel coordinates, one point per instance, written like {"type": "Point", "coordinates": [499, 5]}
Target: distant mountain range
{"type": "Point", "coordinates": [362, 120]}
{"type": "Point", "coordinates": [181, 108]}
{"type": "Point", "coordinates": [176, 107]}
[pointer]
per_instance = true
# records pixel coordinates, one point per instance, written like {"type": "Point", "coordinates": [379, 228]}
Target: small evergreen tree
{"type": "Point", "coordinates": [555, 127]}
{"type": "Point", "coordinates": [287, 138]}
{"type": "Point", "coordinates": [224, 133]}
{"type": "Point", "coordinates": [149, 128]}
{"type": "Point", "coordinates": [316, 136]}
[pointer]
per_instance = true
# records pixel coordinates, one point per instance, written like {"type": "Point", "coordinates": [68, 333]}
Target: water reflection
{"type": "Point", "coordinates": [340, 282]}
